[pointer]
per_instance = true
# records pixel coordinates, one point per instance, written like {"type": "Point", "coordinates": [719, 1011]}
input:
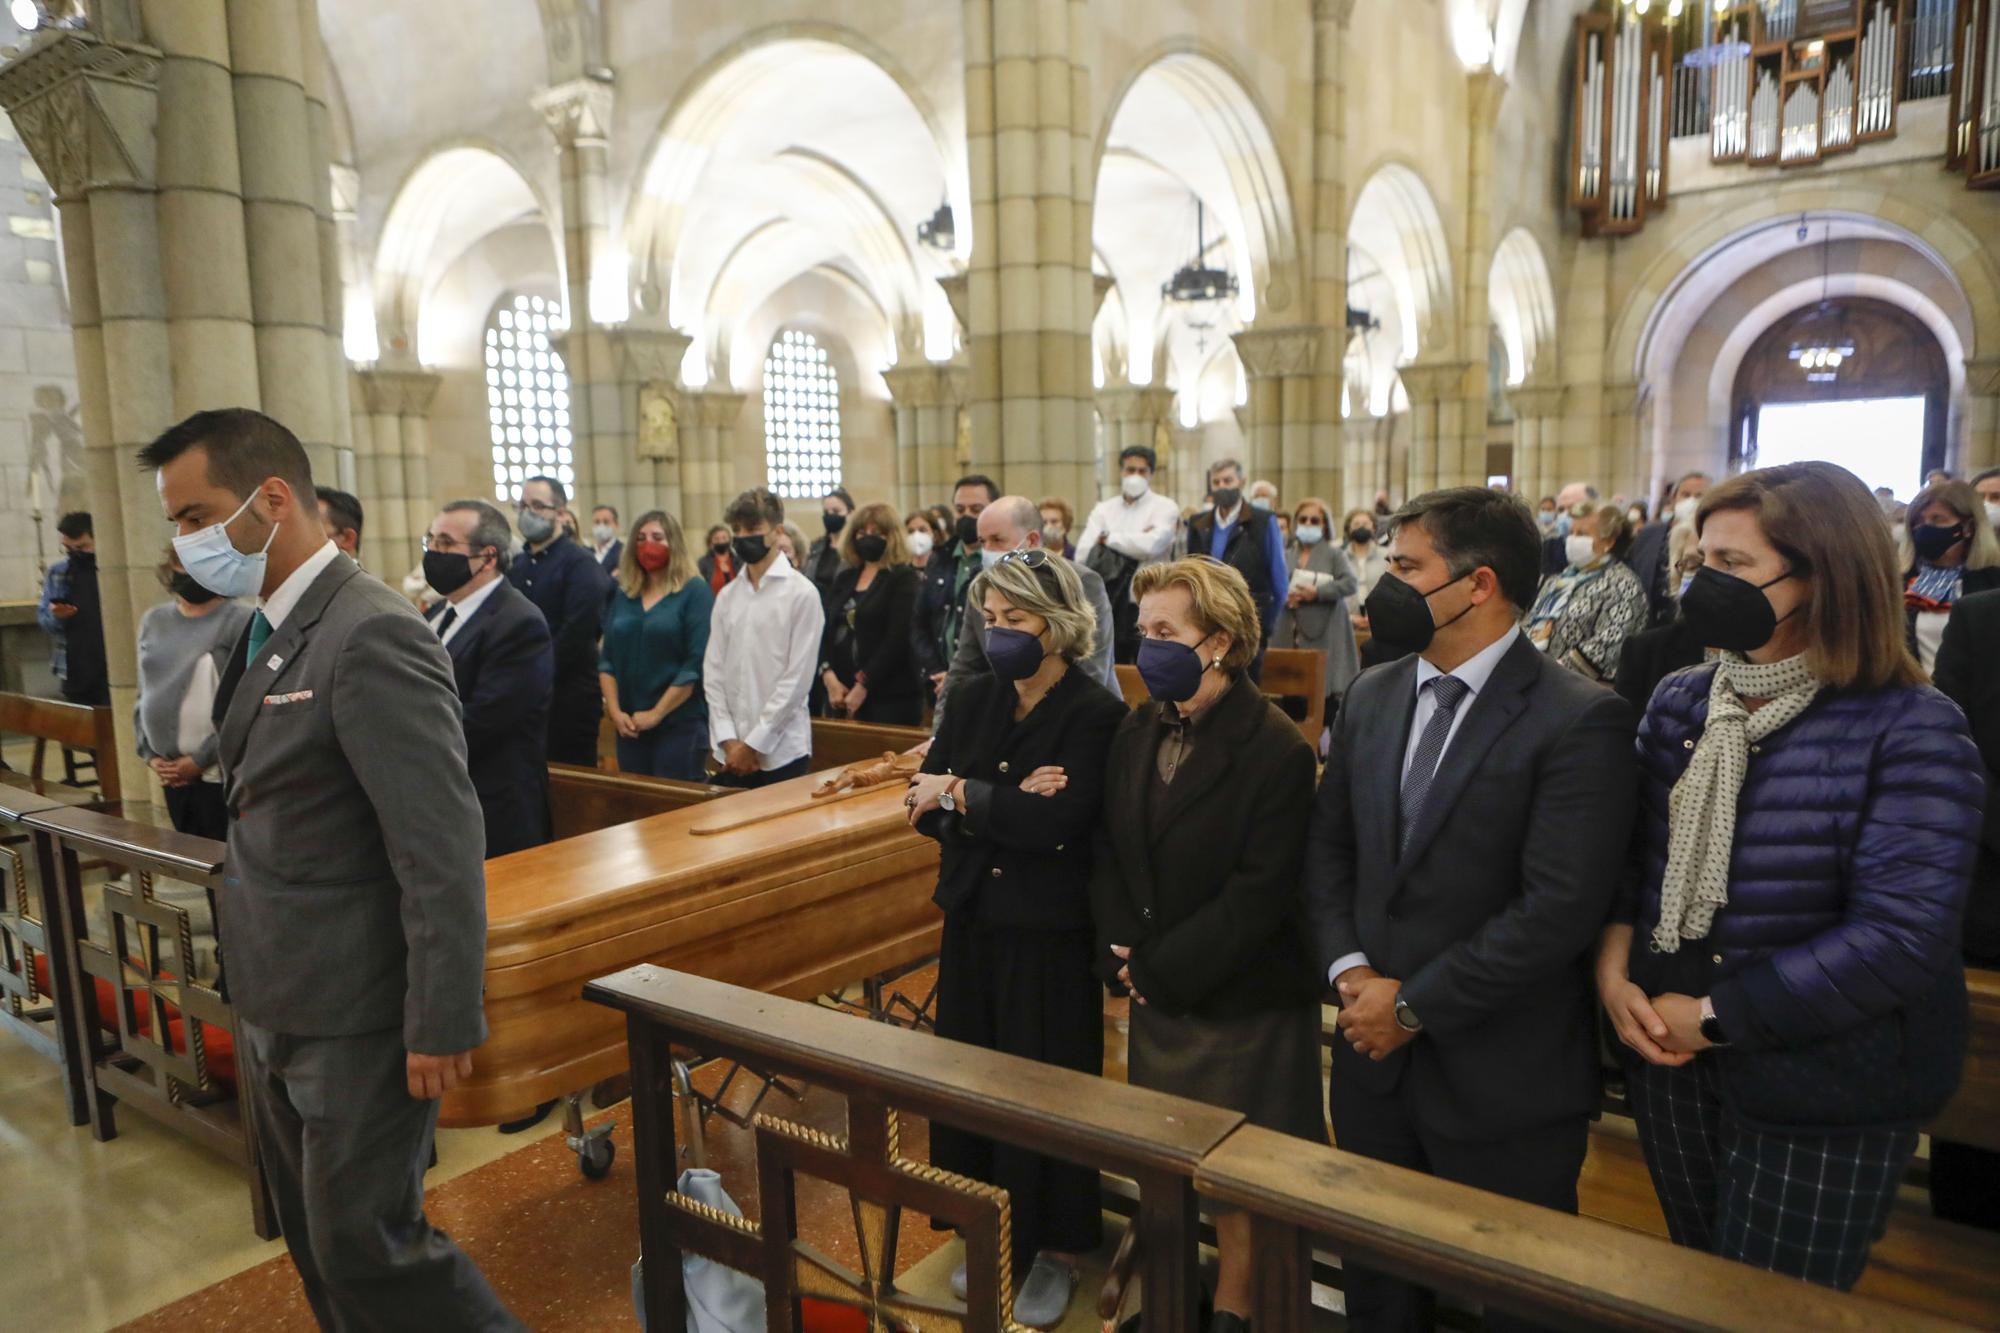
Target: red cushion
{"type": "Point", "coordinates": [826, 1317]}
{"type": "Point", "coordinates": [218, 1049]}
{"type": "Point", "coordinates": [107, 999]}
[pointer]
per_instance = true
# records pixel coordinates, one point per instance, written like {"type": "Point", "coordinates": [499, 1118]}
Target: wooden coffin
{"type": "Point", "coordinates": [815, 896]}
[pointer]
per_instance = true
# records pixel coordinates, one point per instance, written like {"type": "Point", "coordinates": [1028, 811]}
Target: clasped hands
{"type": "Point", "coordinates": [1368, 1012]}
{"type": "Point", "coordinates": [926, 788]}
{"type": "Point", "coordinates": [179, 771]}
{"type": "Point", "coordinates": [1662, 1030]}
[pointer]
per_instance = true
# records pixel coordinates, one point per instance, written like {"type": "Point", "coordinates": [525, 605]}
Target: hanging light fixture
{"type": "Point", "coordinates": [940, 230]}
{"type": "Point", "coordinates": [1823, 345]}
{"type": "Point", "coordinates": [1196, 281]}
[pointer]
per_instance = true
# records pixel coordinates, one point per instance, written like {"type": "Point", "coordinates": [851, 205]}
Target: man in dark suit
{"type": "Point", "coordinates": [504, 666]}
{"type": "Point", "coordinates": [353, 906]}
{"type": "Point", "coordinates": [340, 517]}
{"type": "Point", "coordinates": [1456, 890]}
{"type": "Point", "coordinates": [604, 541]}
{"type": "Point", "coordinates": [564, 580]}
{"type": "Point", "coordinates": [1648, 556]}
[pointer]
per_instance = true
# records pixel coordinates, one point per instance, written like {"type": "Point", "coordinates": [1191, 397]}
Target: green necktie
{"type": "Point", "coordinates": [260, 633]}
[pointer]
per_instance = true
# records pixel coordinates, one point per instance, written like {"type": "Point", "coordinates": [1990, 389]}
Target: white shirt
{"type": "Point", "coordinates": [280, 603]}
{"type": "Point", "coordinates": [1474, 674]}
{"type": "Point", "coordinates": [465, 606]}
{"type": "Point", "coordinates": [1141, 529]}
{"type": "Point", "coordinates": [763, 643]}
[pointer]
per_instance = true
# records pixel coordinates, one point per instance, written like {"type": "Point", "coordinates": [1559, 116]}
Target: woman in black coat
{"type": "Point", "coordinates": [1011, 791]}
{"type": "Point", "coordinates": [1197, 886]}
{"type": "Point", "coordinates": [867, 664]}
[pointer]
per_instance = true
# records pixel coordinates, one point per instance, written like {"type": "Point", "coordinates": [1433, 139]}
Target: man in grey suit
{"type": "Point", "coordinates": [353, 909]}
{"type": "Point", "coordinates": [1465, 846]}
{"type": "Point", "coordinates": [1014, 523]}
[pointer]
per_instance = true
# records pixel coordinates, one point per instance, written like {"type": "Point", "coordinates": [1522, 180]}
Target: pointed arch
{"type": "Point", "coordinates": [1522, 302]}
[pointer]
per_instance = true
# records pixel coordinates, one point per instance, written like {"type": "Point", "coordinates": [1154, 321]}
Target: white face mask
{"type": "Point", "coordinates": [603, 532]}
{"type": "Point", "coordinates": [1134, 486]}
{"type": "Point", "coordinates": [213, 561]}
{"type": "Point", "coordinates": [1261, 503]}
{"type": "Point", "coordinates": [1580, 550]}
{"type": "Point", "coordinates": [920, 543]}
{"type": "Point", "coordinates": [1684, 508]}
{"type": "Point", "coordinates": [1311, 534]}
{"type": "Point", "coordinates": [1993, 512]}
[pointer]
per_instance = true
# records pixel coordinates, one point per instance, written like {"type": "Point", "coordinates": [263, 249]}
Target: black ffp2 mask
{"type": "Point", "coordinates": [1400, 616]}
{"type": "Point", "coordinates": [749, 550]}
{"type": "Point", "coordinates": [1723, 611]}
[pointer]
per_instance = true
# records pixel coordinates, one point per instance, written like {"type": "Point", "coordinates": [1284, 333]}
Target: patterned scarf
{"type": "Point", "coordinates": [1557, 592]}
{"type": "Point", "coordinates": [1933, 588]}
{"type": "Point", "coordinates": [1701, 813]}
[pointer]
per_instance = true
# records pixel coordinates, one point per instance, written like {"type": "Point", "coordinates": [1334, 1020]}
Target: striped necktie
{"type": "Point", "coordinates": [260, 634]}
{"type": "Point", "coordinates": [1448, 692]}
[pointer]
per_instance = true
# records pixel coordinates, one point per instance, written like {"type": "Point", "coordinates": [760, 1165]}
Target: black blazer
{"type": "Point", "coordinates": [504, 666]}
{"type": "Point", "coordinates": [1210, 906]}
{"type": "Point", "coordinates": [1648, 558]}
{"type": "Point", "coordinates": [881, 645]}
{"type": "Point", "coordinates": [1650, 657]}
{"type": "Point", "coordinates": [1491, 917]}
{"type": "Point", "coordinates": [609, 560]}
{"type": "Point", "coordinates": [1968, 669]}
{"type": "Point", "coordinates": [1012, 858]}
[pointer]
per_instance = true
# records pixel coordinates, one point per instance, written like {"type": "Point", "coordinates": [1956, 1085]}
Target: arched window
{"type": "Point", "coordinates": [801, 418]}
{"type": "Point", "coordinates": [527, 396]}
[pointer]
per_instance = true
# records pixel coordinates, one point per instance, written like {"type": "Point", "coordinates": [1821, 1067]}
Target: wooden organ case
{"type": "Point", "coordinates": [1622, 120]}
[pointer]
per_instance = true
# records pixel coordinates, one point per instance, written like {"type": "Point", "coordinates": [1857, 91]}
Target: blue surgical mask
{"type": "Point", "coordinates": [1311, 534]}
{"type": "Point", "coordinates": [1014, 654]}
{"type": "Point", "coordinates": [1172, 671]}
{"type": "Point", "coordinates": [213, 561]}
{"type": "Point", "coordinates": [1686, 579]}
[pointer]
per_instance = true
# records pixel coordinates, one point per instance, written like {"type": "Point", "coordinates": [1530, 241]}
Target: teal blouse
{"type": "Point", "coordinates": [649, 652]}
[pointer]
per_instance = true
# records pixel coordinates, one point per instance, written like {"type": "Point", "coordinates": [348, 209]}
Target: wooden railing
{"type": "Point", "coordinates": [584, 800]}
{"type": "Point", "coordinates": [836, 743]}
{"type": "Point", "coordinates": [1570, 1271]}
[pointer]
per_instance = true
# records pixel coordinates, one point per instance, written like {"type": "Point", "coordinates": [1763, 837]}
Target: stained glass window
{"type": "Point", "coordinates": [527, 397]}
{"type": "Point", "coordinates": [801, 418]}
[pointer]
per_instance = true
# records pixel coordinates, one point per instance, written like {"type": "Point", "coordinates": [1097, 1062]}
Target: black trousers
{"type": "Point", "coordinates": [1029, 993]}
{"type": "Point", "coordinates": [345, 1147]}
{"type": "Point", "coordinates": [1539, 1166]}
{"type": "Point", "coordinates": [574, 717]}
{"type": "Point", "coordinates": [798, 768]}
{"type": "Point", "coordinates": [199, 809]}
{"type": "Point", "coordinates": [1965, 1184]}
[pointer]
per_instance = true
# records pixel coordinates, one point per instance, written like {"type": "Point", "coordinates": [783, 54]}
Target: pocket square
{"type": "Point", "coordinates": [295, 697]}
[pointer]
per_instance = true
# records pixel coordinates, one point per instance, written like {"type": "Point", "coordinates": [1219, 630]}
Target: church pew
{"type": "Point", "coordinates": [837, 743]}
{"type": "Point", "coordinates": [583, 800]}
{"type": "Point", "coordinates": [810, 898]}
{"type": "Point", "coordinates": [34, 964]}
{"type": "Point", "coordinates": [1974, 1114]}
{"type": "Point", "coordinates": [72, 726]}
{"type": "Point", "coordinates": [1289, 673]}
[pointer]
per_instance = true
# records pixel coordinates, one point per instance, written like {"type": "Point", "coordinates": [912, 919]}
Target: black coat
{"type": "Point", "coordinates": [1648, 558]}
{"type": "Point", "coordinates": [880, 643]}
{"type": "Point", "coordinates": [1650, 657]}
{"type": "Point", "coordinates": [1013, 858]}
{"type": "Point", "coordinates": [504, 667]}
{"type": "Point", "coordinates": [565, 581]}
{"type": "Point", "coordinates": [934, 631]}
{"type": "Point", "coordinates": [1210, 904]}
{"type": "Point", "coordinates": [1489, 917]}
{"type": "Point", "coordinates": [1968, 669]}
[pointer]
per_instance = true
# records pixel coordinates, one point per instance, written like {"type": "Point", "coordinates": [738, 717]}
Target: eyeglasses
{"type": "Point", "coordinates": [449, 545]}
{"type": "Point", "coordinates": [537, 507]}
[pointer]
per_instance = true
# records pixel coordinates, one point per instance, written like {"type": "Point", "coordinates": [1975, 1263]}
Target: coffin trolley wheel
{"type": "Point", "coordinates": [593, 1147]}
{"type": "Point", "coordinates": [594, 1159]}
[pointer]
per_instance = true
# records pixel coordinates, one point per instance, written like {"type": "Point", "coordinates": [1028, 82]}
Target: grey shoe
{"type": "Point", "coordinates": [1045, 1293]}
{"type": "Point", "coordinates": [958, 1282]}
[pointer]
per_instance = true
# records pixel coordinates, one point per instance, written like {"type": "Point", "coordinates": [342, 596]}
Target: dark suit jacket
{"type": "Point", "coordinates": [1489, 920]}
{"type": "Point", "coordinates": [609, 560]}
{"type": "Point", "coordinates": [565, 581]}
{"type": "Point", "coordinates": [504, 666]}
{"type": "Point", "coordinates": [1968, 669]}
{"type": "Point", "coordinates": [880, 644]}
{"type": "Point", "coordinates": [1650, 657]}
{"type": "Point", "coordinates": [1015, 858]}
{"type": "Point", "coordinates": [1648, 558]}
{"type": "Point", "coordinates": [1206, 891]}
{"type": "Point", "coordinates": [354, 889]}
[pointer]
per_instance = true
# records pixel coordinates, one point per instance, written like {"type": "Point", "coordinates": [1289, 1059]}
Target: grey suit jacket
{"type": "Point", "coordinates": [969, 658]}
{"type": "Point", "coordinates": [354, 889]}
{"type": "Point", "coordinates": [1489, 916]}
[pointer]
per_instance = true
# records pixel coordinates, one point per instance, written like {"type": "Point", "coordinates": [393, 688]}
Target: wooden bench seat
{"type": "Point", "coordinates": [1289, 673]}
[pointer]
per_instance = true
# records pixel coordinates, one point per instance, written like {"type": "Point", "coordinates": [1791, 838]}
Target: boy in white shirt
{"type": "Point", "coordinates": [763, 643]}
{"type": "Point", "coordinates": [1130, 530]}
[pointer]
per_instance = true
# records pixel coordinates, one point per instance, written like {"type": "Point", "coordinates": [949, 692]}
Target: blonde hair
{"type": "Point", "coordinates": [680, 561]}
{"type": "Point", "coordinates": [1052, 591]}
{"type": "Point", "coordinates": [884, 518]}
{"type": "Point", "coordinates": [801, 548]}
{"type": "Point", "coordinates": [1219, 599]}
{"type": "Point", "coordinates": [1983, 551]}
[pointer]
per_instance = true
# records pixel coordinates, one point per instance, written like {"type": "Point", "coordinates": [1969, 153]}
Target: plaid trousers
{"type": "Point", "coordinates": [1809, 1205]}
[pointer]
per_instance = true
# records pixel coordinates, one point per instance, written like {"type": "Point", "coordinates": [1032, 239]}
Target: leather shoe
{"type": "Point", "coordinates": [1225, 1321]}
{"type": "Point", "coordinates": [540, 1114]}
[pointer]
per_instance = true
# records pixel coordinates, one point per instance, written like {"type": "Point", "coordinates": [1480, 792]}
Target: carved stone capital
{"type": "Point", "coordinates": [1484, 90]}
{"type": "Point", "coordinates": [1102, 285]}
{"type": "Point", "coordinates": [955, 291]}
{"type": "Point", "coordinates": [86, 109]}
{"type": "Point", "coordinates": [642, 355]}
{"type": "Point", "coordinates": [398, 393]}
{"type": "Point", "coordinates": [926, 384]}
{"type": "Point", "coordinates": [1433, 381]}
{"type": "Point", "coordinates": [714, 410]}
{"type": "Point", "coordinates": [1271, 353]}
{"type": "Point", "coordinates": [1141, 404]}
{"type": "Point", "coordinates": [577, 112]}
{"type": "Point", "coordinates": [1333, 11]}
{"type": "Point", "coordinates": [1540, 401]}
{"type": "Point", "coordinates": [1624, 400]}
{"type": "Point", "coordinates": [1982, 376]}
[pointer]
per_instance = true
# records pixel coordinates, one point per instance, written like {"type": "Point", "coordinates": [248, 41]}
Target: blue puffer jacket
{"type": "Point", "coordinates": [1856, 835]}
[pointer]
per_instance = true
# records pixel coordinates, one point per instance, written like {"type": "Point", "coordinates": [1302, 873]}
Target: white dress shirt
{"type": "Point", "coordinates": [1141, 529]}
{"type": "Point", "coordinates": [280, 603]}
{"type": "Point", "coordinates": [1473, 673]}
{"type": "Point", "coordinates": [465, 606]}
{"type": "Point", "coordinates": [763, 643]}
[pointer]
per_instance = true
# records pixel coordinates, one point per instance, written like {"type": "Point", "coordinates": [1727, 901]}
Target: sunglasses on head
{"type": "Point", "coordinates": [1033, 558]}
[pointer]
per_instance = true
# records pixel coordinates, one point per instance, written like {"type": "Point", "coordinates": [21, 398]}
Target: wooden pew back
{"type": "Point", "coordinates": [837, 743]}
{"type": "Point", "coordinates": [74, 726]}
{"type": "Point", "coordinates": [583, 800]}
{"type": "Point", "coordinates": [1289, 673]}
{"type": "Point", "coordinates": [1974, 1114]}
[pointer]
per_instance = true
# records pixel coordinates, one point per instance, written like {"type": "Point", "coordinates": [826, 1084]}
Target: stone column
{"type": "Point", "coordinates": [926, 396]}
{"type": "Point", "coordinates": [1614, 463]}
{"type": "Point", "coordinates": [1436, 393]}
{"type": "Point", "coordinates": [1281, 367]}
{"type": "Point", "coordinates": [281, 221]}
{"type": "Point", "coordinates": [1029, 143]}
{"type": "Point", "coordinates": [1136, 416]}
{"type": "Point", "coordinates": [398, 403]}
{"type": "Point", "coordinates": [640, 422]}
{"type": "Point", "coordinates": [578, 114]}
{"type": "Point", "coordinates": [1483, 94]}
{"type": "Point", "coordinates": [1982, 416]}
{"type": "Point", "coordinates": [88, 112]}
{"type": "Point", "coordinates": [1538, 410]}
{"type": "Point", "coordinates": [708, 451]}
{"type": "Point", "coordinates": [1328, 451]}
{"type": "Point", "coordinates": [326, 222]}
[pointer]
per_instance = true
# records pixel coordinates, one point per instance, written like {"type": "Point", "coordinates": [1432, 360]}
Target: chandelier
{"type": "Point", "coordinates": [1196, 281]}
{"type": "Point", "coordinates": [1823, 345]}
{"type": "Point", "coordinates": [940, 230]}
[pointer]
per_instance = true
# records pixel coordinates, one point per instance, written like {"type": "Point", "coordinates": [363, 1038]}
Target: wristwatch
{"type": "Point", "coordinates": [947, 802]}
{"type": "Point", "coordinates": [1406, 1017]}
{"type": "Point", "coordinates": [1711, 1026]}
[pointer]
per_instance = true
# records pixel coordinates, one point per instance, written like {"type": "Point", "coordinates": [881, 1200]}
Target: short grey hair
{"type": "Point", "coordinates": [1222, 465]}
{"type": "Point", "coordinates": [1018, 510]}
{"type": "Point", "coordinates": [1054, 592]}
{"type": "Point", "coordinates": [489, 528]}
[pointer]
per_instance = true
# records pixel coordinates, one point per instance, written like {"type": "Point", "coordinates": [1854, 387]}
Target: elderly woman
{"type": "Point", "coordinates": [1196, 886]}
{"type": "Point", "coordinates": [920, 532]}
{"type": "Point", "coordinates": [649, 665]}
{"type": "Point", "coordinates": [1315, 616]}
{"type": "Point", "coordinates": [1953, 554]}
{"type": "Point", "coordinates": [868, 664]}
{"type": "Point", "coordinates": [1011, 791]}
{"type": "Point", "coordinates": [1583, 615]}
{"type": "Point", "coordinates": [1785, 970]}
{"type": "Point", "coordinates": [184, 646]}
